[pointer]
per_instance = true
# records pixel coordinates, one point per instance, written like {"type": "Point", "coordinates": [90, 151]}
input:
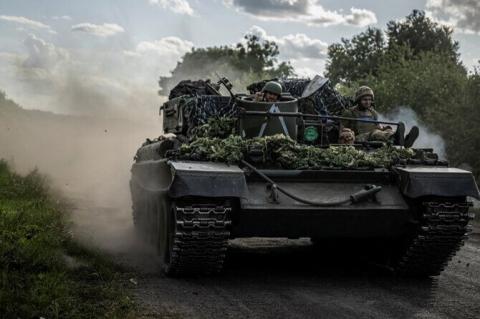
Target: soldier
{"type": "Point", "coordinates": [271, 92]}
{"type": "Point", "coordinates": [365, 131]}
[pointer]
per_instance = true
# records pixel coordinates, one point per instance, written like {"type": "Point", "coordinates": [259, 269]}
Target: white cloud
{"type": "Point", "coordinates": [301, 46]}
{"type": "Point", "coordinates": [99, 30]}
{"type": "Point", "coordinates": [27, 22]}
{"type": "Point", "coordinates": [464, 15]}
{"type": "Point", "coordinates": [64, 17]}
{"type": "Point", "coordinates": [306, 54]}
{"type": "Point", "coordinates": [360, 17]}
{"type": "Point", "coordinates": [157, 58]}
{"type": "Point", "coordinates": [297, 46]}
{"type": "Point", "coordinates": [101, 81]}
{"type": "Point", "coordinates": [41, 54]}
{"type": "Point", "coordinates": [306, 11]}
{"type": "Point", "coordinates": [165, 46]}
{"type": "Point", "coordinates": [177, 6]}
{"type": "Point", "coordinates": [81, 82]}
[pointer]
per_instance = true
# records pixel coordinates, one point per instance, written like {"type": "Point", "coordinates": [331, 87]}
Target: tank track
{"type": "Point", "coordinates": [442, 231]}
{"type": "Point", "coordinates": [200, 239]}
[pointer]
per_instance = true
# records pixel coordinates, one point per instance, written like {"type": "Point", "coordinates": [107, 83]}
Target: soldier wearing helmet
{"type": "Point", "coordinates": [271, 92]}
{"type": "Point", "coordinates": [364, 131]}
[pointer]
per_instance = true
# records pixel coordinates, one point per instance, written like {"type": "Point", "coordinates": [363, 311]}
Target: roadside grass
{"type": "Point", "coordinates": [44, 272]}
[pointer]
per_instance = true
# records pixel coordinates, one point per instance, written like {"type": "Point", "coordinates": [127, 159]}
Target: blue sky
{"type": "Point", "coordinates": [114, 51]}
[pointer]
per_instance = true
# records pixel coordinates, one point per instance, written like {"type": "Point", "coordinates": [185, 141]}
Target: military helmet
{"type": "Point", "coordinates": [362, 91]}
{"type": "Point", "coordinates": [273, 87]}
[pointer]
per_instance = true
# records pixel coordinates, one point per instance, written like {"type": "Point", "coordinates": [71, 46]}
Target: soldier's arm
{"type": "Point", "coordinates": [375, 117]}
{"type": "Point", "coordinates": [346, 123]}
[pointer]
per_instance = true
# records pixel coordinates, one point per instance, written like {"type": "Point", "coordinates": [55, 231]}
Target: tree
{"type": "Point", "coordinates": [256, 55]}
{"type": "Point", "coordinates": [354, 60]}
{"type": "Point", "coordinates": [421, 34]}
{"type": "Point", "coordinates": [248, 61]}
{"type": "Point", "coordinates": [429, 83]}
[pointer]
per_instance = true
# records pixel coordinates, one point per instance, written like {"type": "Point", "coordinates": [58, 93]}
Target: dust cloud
{"type": "Point", "coordinates": [103, 113]}
{"type": "Point", "coordinates": [88, 159]}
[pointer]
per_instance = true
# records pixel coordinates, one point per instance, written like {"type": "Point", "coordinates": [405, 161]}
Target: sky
{"type": "Point", "coordinates": [77, 57]}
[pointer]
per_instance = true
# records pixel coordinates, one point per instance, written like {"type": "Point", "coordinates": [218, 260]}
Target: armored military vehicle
{"type": "Point", "coordinates": [229, 166]}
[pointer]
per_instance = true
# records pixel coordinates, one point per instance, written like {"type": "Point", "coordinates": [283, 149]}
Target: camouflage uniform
{"type": "Point", "coordinates": [365, 131]}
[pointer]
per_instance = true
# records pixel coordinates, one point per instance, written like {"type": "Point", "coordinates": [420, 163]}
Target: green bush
{"type": "Point", "coordinates": [36, 280]}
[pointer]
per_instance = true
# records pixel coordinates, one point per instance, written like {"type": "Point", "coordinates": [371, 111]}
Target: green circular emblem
{"type": "Point", "coordinates": [310, 134]}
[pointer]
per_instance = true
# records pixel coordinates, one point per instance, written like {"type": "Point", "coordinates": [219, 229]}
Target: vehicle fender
{"type": "Point", "coordinates": [207, 179]}
{"type": "Point", "coordinates": [417, 182]}
{"type": "Point", "coordinates": [153, 176]}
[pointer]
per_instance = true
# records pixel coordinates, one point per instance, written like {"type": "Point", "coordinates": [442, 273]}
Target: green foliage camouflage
{"type": "Point", "coordinates": [216, 127]}
{"type": "Point", "coordinates": [281, 151]}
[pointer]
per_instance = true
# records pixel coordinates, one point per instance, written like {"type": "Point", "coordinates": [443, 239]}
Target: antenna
{"type": "Point", "coordinates": [226, 83]}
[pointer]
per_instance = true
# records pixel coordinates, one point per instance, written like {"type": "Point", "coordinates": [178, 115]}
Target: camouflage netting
{"type": "Point", "coordinates": [194, 88]}
{"type": "Point", "coordinates": [325, 101]}
{"type": "Point", "coordinates": [281, 151]}
{"type": "Point", "coordinates": [198, 110]}
{"type": "Point", "coordinates": [199, 101]}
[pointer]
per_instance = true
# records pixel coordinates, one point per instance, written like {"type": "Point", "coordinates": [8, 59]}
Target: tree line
{"type": "Point", "coordinates": [416, 63]}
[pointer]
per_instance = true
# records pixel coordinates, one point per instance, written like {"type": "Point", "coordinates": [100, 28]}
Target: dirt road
{"type": "Point", "coordinates": [292, 279]}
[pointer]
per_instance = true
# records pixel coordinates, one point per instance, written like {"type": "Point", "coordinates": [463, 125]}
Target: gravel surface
{"type": "Point", "coordinates": [292, 279]}
{"type": "Point", "coordinates": [267, 278]}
